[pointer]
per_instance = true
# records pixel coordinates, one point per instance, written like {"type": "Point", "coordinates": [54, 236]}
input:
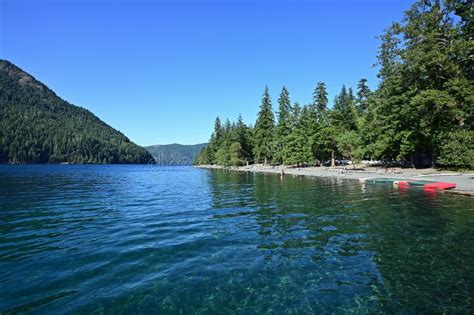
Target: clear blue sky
{"type": "Point", "coordinates": [161, 71]}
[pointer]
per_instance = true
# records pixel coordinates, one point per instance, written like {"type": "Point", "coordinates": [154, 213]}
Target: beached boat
{"type": "Point", "coordinates": [425, 184]}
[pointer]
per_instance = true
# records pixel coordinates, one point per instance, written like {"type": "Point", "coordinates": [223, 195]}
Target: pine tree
{"type": "Point", "coordinates": [423, 105]}
{"type": "Point", "coordinates": [215, 143]}
{"type": "Point", "coordinates": [363, 93]}
{"type": "Point", "coordinates": [320, 98]}
{"type": "Point", "coordinates": [324, 143]}
{"type": "Point", "coordinates": [223, 156]}
{"type": "Point", "coordinates": [264, 128]}
{"type": "Point", "coordinates": [297, 150]}
{"type": "Point", "coordinates": [243, 137]}
{"type": "Point", "coordinates": [368, 130]}
{"type": "Point", "coordinates": [236, 157]}
{"type": "Point", "coordinates": [424, 86]}
{"type": "Point", "coordinates": [348, 144]}
{"type": "Point", "coordinates": [218, 131]}
{"type": "Point", "coordinates": [283, 127]}
{"type": "Point", "coordinates": [344, 115]}
{"type": "Point", "coordinates": [309, 125]}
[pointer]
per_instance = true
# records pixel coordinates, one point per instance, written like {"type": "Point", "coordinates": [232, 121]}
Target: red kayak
{"type": "Point", "coordinates": [426, 185]}
{"type": "Point", "coordinates": [439, 185]}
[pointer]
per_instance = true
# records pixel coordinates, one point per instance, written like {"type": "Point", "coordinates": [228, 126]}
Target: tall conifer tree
{"type": "Point", "coordinates": [297, 150]}
{"type": "Point", "coordinates": [344, 114]}
{"type": "Point", "coordinates": [320, 98]}
{"type": "Point", "coordinates": [264, 128]}
{"type": "Point", "coordinates": [243, 138]}
{"type": "Point", "coordinates": [363, 93]}
{"type": "Point", "coordinates": [283, 127]}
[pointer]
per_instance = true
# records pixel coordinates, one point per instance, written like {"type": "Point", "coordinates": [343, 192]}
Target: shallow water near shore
{"type": "Point", "coordinates": [167, 240]}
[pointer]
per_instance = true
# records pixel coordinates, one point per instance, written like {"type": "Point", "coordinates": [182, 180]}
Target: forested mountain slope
{"type": "Point", "coordinates": [37, 126]}
{"type": "Point", "coordinates": [175, 154]}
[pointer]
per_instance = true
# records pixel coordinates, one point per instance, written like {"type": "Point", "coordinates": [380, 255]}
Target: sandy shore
{"type": "Point", "coordinates": [464, 181]}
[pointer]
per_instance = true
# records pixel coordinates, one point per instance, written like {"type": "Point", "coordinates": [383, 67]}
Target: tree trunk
{"type": "Point", "coordinates": [412, 162]}
{"type": "Point", "coordinates": [333, 160]}
{"type": "Point", "coordinates": [265, 161]}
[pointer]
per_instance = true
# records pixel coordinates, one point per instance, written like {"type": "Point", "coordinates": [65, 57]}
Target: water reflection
{"type": "Point", "coordinates": [142, 239]}
{"type": "Point", "coordinates": [395, 246]}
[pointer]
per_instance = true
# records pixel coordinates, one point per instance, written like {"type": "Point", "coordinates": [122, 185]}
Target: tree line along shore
{"type": "Point", "coordinates": [421, 113]}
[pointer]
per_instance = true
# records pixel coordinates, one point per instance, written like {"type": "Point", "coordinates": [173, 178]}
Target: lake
{"type": "Point", "coordinates": [167, 240]}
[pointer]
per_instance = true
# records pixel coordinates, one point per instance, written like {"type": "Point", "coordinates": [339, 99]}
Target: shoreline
{"type": "Point", "coordinates": [464, 181]}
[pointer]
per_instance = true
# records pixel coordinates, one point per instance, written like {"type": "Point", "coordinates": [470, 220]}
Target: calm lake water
{"type": "Point", "coordinates": [143, 239]}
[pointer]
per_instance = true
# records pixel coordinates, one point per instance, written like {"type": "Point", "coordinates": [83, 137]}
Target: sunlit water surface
{"type": "Point", "coordinates": [144, 239]}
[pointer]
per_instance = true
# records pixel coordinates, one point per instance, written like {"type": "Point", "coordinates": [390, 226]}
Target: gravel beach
{"type": "Point", "coordinates": [464, 181]}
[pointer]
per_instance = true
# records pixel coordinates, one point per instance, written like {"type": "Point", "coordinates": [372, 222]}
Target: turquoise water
{"type": "Point", "coordinates": [145, 239]}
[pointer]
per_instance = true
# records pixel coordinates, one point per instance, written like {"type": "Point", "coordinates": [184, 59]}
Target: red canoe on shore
{"type": "Point", "coordinates": [428, 185]}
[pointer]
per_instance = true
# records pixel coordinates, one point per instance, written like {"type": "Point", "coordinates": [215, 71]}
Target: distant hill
{"type": "Point", "coordinates": [175, 154]}
{"type": "Point", "coordinates": [37, 126]}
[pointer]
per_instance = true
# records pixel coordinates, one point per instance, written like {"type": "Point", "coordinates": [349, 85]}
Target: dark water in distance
{"type": "Point", "coordinates": [143, 239]}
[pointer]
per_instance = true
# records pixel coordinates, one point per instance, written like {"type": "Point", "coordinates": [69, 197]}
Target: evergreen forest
{"type": "Point", "coordinates": [420, 114]}
{"type": "Point", "coordinates": [36, 126]}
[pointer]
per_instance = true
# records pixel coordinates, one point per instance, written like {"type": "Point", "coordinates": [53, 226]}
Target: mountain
{"type": "Point", "coordinates": [175, 154]}
{"type": "Point", "coordinates": [37, 126]}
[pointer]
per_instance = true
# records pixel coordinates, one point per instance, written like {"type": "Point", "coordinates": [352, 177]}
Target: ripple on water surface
{"type": "Point", "coordinates": [141, 239]}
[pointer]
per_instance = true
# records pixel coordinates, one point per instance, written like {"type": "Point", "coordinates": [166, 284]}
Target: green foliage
{"type": "Point", "coordinates": [424, 104]}
{"type": "Point", "coordinates": [230, 145]}
{"type": "Point", "coordinates": [369, 129]}
{"type": "Point", "coordinates": [283, 128]}
{"type": "Point", "coordinates": [204, 157]}
{"type": "Point", "coordinates": [264, 128]}
{"type": "Point", "coordinates": [426, 90]}
{"type": "Point", "coordinates": [343, 115]}
{"type": "Point", "coordinates": [223, 156]}
{"type": "Point", "coordinates": [36, 126]}
{"type": "Point", "coordinates": [457, 150]}
{"type": "Point", "coordinates": [324, 142]}
{"type": "Point", "coordinates": [298, 148]}
{"type": "Point", "coordinates": [363, 94]}
{"type": "Point", "coordinates": [243, 136]}
{"type": "Point", "coordinates": [320, 98]}
{"type": "Point", "coordinates": [236, 154]}
{"type": "Point", "coordinates": [348, 143]}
